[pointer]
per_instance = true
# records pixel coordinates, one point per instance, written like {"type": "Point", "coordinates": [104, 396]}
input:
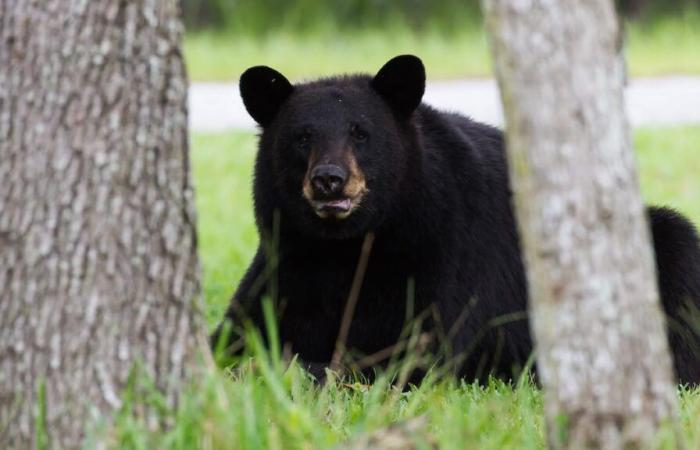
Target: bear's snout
{"type": "Point", "coordinates": [328, 180]}
{"type": "Point", "coordinates": [334, 189]}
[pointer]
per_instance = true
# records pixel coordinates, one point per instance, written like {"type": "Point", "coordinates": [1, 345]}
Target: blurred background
{"type": "Point", "coordinates": [307, 38]}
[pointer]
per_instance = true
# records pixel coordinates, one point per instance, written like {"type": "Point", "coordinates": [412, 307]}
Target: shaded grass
{"type": "Point", "coordinates": [262, 404]}
{"type": "Point", "coordinates": [666, 46]}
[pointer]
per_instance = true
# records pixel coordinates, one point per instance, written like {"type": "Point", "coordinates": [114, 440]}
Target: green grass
{"type": "Point", "coordinates": [670, 46]}
{"type": "Point", "coordinates": [262, 404]}
{"type": "Point", "coordinates": [213, 56]}
{"type": "Point", "coordinates": [669, 164]}
{"type": "Point", "coordinates": [667, 46]}
{"type": "Point", "coordinates": [223, 166]}
{"type": "Point", "coordinates": [265, 407]}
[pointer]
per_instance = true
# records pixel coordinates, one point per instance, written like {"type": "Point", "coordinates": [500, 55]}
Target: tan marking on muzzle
{"type": "Point", "coordinates": [356, 187]}
{"type": "Point", "coordinates": [306, 189]}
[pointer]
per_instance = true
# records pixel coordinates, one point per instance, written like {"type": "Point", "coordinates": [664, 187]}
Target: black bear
{"type": "Point", "coordinates": [344, 156]}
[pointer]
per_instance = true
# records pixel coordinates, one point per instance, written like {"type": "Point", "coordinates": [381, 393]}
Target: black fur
{"type": "Point", "coordinates": [268, 89]}
{"type": "Point", "coordinates": [401, 82]}
{"type": "Point", "coordinates": [439, 204]}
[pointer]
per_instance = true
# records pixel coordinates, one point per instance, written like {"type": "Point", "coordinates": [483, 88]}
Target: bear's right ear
{"type": "Point", "coordinates": [401, 82]}
{"type": "Point", "coordinates": [263, 91]}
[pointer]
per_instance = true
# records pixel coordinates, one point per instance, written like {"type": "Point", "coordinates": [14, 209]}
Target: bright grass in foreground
{"type": "Point", "coordinates": [262, 404]}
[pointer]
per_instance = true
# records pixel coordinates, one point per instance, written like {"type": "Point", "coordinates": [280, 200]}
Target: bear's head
{"type": "Point", "coordinates": [333, 152]}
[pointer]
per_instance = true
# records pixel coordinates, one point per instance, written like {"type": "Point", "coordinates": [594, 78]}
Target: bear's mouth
{"type": "Point", "coordinates": [340, 205]}
{"type": "Point", "coordinates": [336, 208]}
{"type": "Point", "coordinates": [339, 208]}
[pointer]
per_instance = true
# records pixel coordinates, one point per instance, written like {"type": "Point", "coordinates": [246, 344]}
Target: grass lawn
{"type": "Point", "coordinates": [263, 405]}
{"type": "Point", "coordinates": [668, 46]}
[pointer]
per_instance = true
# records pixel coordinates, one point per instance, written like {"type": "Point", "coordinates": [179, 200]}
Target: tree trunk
{"type": "Point", "coordinates": [596, 318]}
{"type": "Point", "coordinates": [98, 264]}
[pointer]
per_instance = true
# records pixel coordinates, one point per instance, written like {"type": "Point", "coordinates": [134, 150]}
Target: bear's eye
{"type": "Point", "coordinates": [304, 138]}
{"type": "Point", "coordinates": [358, 134]}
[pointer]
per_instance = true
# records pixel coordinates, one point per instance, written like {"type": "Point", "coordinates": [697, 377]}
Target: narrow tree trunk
{"type": "Point", "coordinates": [98, 264]}
{"type": "Point", "coordinates": [597, 322]}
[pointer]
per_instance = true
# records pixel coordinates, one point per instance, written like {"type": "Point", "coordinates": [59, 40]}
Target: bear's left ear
{"type": "Point", "coordinates": [401, 82]}
{"type": "Point", "coordinates": [263, 90]}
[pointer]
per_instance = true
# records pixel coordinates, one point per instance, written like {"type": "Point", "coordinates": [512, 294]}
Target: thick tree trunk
{"type": "Point", "coordinates": [98, 264]}
{"type": "Point", "coordinates": [602, 351]}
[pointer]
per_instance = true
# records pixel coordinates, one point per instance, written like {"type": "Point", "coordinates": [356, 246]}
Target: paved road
{"type": "Point", "coordinates": [650, 101]}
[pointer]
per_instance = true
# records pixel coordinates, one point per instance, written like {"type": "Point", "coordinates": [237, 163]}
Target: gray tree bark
{"type": "Point", "coordinates": [596, 318]}
{"type": "Point", "coordinates": [98, 264]}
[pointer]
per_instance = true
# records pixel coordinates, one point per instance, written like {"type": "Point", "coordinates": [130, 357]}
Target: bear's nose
{"type": "Point", "coordinates": [328, 179]}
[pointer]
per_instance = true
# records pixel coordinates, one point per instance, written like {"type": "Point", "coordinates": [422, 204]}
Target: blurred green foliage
{"type": "Point", "coordinates": [651, 9]}
{"type": "Point", "coordinates": [666, 46]}
{"type": "Point", "coordinates": [259, 17]}
{"type": "Point", "coordinates": [263, 16]}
